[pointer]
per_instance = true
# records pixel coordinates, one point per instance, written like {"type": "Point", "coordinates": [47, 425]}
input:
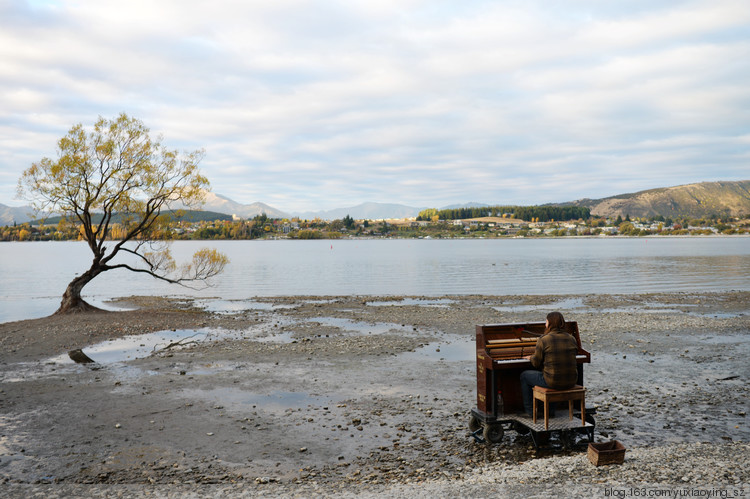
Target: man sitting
{"type": "Point", "coordinates": [554, 361]}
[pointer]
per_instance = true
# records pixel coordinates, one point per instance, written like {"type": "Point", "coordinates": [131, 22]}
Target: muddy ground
{"type": "Point", "coordinates": [345, 390]}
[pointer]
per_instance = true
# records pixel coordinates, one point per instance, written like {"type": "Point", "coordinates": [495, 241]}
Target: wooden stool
{"type": "Point", "coordinates": [550, 395]}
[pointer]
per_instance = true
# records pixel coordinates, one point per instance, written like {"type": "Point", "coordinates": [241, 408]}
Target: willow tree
{"type": "Point", "coordinates": [116, 173]}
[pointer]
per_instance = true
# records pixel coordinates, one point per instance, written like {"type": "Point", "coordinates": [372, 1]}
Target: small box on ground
{"type": "Point", "coordinates": [612, 452]}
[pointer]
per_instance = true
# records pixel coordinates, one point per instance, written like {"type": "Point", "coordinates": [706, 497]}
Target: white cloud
{"type": "Point", "coordinates": [318, 105]}
{"type": "Point", "coordinates": [669, 23]}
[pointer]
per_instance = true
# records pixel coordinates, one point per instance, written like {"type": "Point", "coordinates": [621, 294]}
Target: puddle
{"type": "Point", "coordinates": [455, 349]}
{"type": "Point", "coordinates": [359, 327]}
{"type": "Point", "coordinates": [277, 402]}
{"type": "Point", "coordinates": [117, 352]}
{"type": "Point", "coordinates": [140, 346]}
{"type": "Point", "coordinates": [285, 337]}
{"type": "Point", "coordinates": [143, 345]}
{"type": "Point", "coordinates": [440, 302]}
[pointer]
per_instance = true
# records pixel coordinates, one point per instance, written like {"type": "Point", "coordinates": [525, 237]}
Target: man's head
{"type": "Point", "coordinates": [555, 320]}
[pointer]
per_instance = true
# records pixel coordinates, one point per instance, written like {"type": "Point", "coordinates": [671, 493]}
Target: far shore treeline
{"type": "Point", "coordinates": [526, 213]}
{"type": "Point", "coordinates": [478, 222]}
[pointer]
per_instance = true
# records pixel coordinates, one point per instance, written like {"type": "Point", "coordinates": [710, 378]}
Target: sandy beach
{"type": "Point", "coordinates": [364, 396]}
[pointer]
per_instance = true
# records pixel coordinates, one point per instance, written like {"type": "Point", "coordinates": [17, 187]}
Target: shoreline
{"type": "Point", "coordinates": [375, 389]}
{"type": "Point", "coordinates": [166, 303]}
{"type": "Point", "coordinates": [430, 238]}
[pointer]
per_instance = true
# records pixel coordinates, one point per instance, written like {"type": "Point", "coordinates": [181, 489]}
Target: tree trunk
{"type": "Point", "coordinates": [72, 303]}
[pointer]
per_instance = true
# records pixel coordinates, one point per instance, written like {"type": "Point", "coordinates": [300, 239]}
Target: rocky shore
{"type": "Point", "coordinates": [363, 396]}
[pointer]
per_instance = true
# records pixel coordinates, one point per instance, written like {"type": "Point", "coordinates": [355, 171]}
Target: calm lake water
{"type": "Point", "coordinates": [34, 275]}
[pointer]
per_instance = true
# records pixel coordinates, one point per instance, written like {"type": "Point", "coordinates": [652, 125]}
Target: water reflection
{"type": "Point", "coordinates": [140, 346]}
{"type": "Point", "coordinates": [34, 275]}
{"type": "Point", "coordinates": [453, 348]}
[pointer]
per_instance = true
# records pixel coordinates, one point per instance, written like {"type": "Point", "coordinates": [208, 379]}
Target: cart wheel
{"type": "Point", "coordinates": [474, 423]}
{"type": "Point", "coordinates": [493, 433]}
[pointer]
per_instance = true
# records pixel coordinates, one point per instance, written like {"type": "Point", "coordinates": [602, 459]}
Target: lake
{"type": "Point", "coordinates": [35, 274]}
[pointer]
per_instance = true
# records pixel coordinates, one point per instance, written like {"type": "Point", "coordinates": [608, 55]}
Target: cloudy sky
{"type": "Point", "coordinates": [312, 105]}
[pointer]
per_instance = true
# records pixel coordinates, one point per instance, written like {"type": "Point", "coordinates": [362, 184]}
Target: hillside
{"type": "Point", "coordinates": [706, 199]}
{"type": "Point", "coordinates": [10, 214]}
{"type": "Point", "coordinates": [180, 216]}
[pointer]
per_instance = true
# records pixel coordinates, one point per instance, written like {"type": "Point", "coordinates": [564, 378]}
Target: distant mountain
{"type": "Point", "coordinates": [705, 199]}
{"type": "Point", "coordinates": [222, 204]}
{"type": "Point", "coordinates": [215, 204]}
{"type": "Point", "coordinates": [10, 214]}
{"type": "Point", "coordinates": [365, 211]}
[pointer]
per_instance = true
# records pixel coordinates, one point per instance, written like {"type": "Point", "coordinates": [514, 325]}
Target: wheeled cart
{"type": "Point", "coordinates": [501, 351]}
{"type": "Point", "coordinates": [489, 429]}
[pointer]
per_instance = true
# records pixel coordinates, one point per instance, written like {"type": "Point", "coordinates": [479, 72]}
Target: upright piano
{"type": "Point", "coordinates": [500, 362]}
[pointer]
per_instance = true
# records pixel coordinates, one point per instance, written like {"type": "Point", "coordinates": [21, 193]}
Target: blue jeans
{"type": "Point", "coordinates": [530, 379]}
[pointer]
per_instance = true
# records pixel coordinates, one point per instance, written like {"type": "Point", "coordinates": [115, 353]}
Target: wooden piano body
{"type": "Point", "coordinates": [500, 362]}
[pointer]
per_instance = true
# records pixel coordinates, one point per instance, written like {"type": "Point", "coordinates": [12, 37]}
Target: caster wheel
{"type": "Point", "coordinates": [493, 433]}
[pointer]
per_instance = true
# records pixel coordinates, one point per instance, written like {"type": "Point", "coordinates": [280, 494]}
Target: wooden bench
{"type": "Point", "coordinates": [550, 396]}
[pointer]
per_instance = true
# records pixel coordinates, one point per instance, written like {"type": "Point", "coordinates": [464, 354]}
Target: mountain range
{"type": "Point", "coordinates": [705, 199]}
{"type": "Point", "coordinates": [364, 211]}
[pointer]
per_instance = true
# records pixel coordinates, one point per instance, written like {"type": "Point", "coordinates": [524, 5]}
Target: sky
{"type": "Point", "coordinates": [315, 105]}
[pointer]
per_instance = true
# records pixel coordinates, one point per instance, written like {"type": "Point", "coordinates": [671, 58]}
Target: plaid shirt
{"type": "Point", "coordinates": [555, 354]}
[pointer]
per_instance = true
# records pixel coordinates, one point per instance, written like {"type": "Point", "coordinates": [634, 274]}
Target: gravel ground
{"type": "Point", "coordinates": [365, 396]}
